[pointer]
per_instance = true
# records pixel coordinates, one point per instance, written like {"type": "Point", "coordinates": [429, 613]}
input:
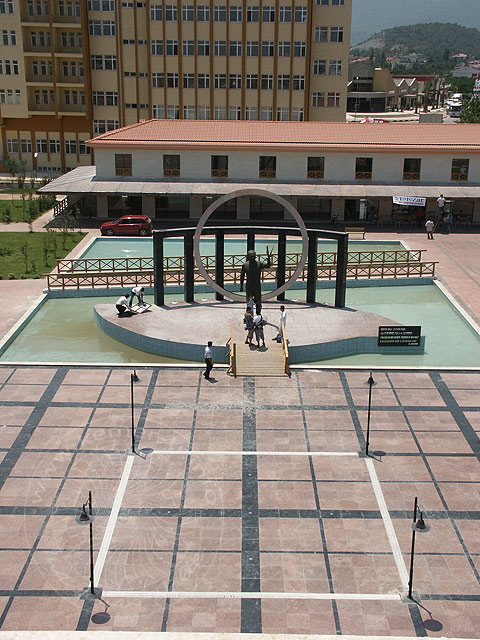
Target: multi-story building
{"type": "Point", "coordinates": [73, 69]}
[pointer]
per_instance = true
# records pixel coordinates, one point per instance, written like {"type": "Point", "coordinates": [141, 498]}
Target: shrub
{"type": "Point", "coordinates": [11, 276]}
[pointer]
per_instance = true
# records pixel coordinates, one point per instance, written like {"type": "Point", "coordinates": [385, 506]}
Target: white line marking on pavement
{"type": "Point", "coordinates": [112, 520]}
{"type": "Point", "coordinates": [387, 521]}
{"type": "Point", "coordinates": [249, 594]}
{"type": "Point", "coordinates": [257, 453]}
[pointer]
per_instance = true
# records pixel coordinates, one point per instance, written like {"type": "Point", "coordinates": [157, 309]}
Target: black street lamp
{"type": "Point", "coordinates": [370, 383]}
{"type": "Point", "coordinates": [87, 518]}
{"type": "Point", "coordinates": [420, 526]}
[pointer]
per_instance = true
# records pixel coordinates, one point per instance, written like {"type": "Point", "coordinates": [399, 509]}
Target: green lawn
{"type": "Point", "coordinates": [19, 211]}
{"type": "Point", "coordinates": [30, 255]}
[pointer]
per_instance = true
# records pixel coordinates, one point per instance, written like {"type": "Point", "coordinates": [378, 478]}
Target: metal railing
{"type": "Point", "coordinates": [235, 261]}
{"type": "Point", "coordinates": [60, 206]}
{"type": "Point", "coordinates": [99, 280]}
{"type": "Point", "coordinates": [286, 368]}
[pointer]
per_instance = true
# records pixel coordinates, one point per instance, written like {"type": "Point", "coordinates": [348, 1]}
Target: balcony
{"type": "Point", "coordinates": [219, 173]}
{"type": "Point", "coordinates": [36, 20]}
{"type": "Point", "coordinates": [267, 173]}
{"type": "Point", "coordinates": [50, 108]}
{"type": "Point", "coordinates": [363, 175]}
{"type": "Point", "coordinates": [63, 80]}
{"type": "Point", "coordinates": [126, 171]}
{"type": "Point", "coordinates": [71, 108]}
{"type": "Point", "coordinates": [39, 79]}
{"type": "Point", "coordinates": [411, 175]}
{"type": "Point", "coordinates": [63, 20]}
{"type": "Point", "coordinates": [461, 176]}
{"type": "Point", "coordinates": [315, 175]}
{"type": "Point", "coordinates": [171, 173]}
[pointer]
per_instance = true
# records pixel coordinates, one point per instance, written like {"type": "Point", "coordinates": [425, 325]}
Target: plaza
{"type": "Point", "coordinates": [251, 507]}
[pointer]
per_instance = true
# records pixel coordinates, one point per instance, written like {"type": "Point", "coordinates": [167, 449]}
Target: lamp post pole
{"type": "Point", "coordinates": [92, 569]}
{"type": "Point", "coordinates": [370, 383]}
{"type": "Point", "coordinates": [420, 526]}
{"type": "Point", "coordinates": [132, 379]}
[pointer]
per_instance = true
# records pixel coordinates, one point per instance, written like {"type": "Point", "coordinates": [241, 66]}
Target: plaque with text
{"type": "Point", "coordinates": [399, 336]}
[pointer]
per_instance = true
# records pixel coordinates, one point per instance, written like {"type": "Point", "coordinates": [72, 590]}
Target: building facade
{"type": "Point", "coordinates": [73, 69]}
{"type": "Point", "coordinates": [173, 170]}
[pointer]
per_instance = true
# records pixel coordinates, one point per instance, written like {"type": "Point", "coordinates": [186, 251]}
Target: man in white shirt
{"type": "Point", "coordinates": [258, 322]}
{"type": "Point", "coordinates": [441, 204]}
{"type": "Point", "coordinates": [208, 360]}
{"type": "Point", "coordinates": [137, 291]}
{"type": "Point", "coordinates": [430, 225]}
{"type": "Point", "coordinates": [123, 305]}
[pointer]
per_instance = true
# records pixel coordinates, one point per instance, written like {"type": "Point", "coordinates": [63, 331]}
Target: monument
{"type": "Point", "coordinates": [252, 272]}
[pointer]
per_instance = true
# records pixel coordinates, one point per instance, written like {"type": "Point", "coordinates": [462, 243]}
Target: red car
{"type": "Point", "coordinates": [128, 226]}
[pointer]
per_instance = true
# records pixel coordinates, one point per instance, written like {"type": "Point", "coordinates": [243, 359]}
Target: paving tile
{"type": "Point", "coordinates": [22, 392]}
{"type": "Point", "coordinates": [34, 375]}
{"type": "Point", "coordinates": [159, 466]}
{"type": "Point", "coordinates": [107, 439]}
{"type": "Point", "coordinates": [458, 619]}
{"type": "Point", "coordinates": [177, 378]}
{"type": "Point", "coordinates": [217, 440]}
{"type": "Point", "coordinates": [168, 418]}
{"type": "Point", "coordinates": [468, 380]}
{"type": "Point", "coordinates": [75, 393]}
{"type": "Point", "coordinates": [409, 380]}
{"type": "Point", "coordinates": [446, 443]}
{"type": "Point", "coordinates": [432, 421]}
{"type": "Point", "coordinates": [29, 492]}
{"type": "Point", "coordinates": [174, 395]}
{"type": "Point", "coordinates": [205, 615]}
{"type": "Point", "coordinates": [272, 419]}
{"type": "Point", "coordinates": [355, 534]}
{"type": "Point", "coordinates": [271, 396]}
{"type": "Point", "coordinates": [329, 396]}
{"type": "Point", "coordinates": [153, 494]}
{"type": "Point", "coordinates": [440, 538]}
{"type": "Point", "coordinates": [322, 379]}
{"type": "Point", "coordinates": [281, 440]}
{"type": "Point", "coordinates": [16, 415]}
{"type": "Point", "coordinates": [202, 571]}
{"type": "Point", "coordinates": [41, 465]}
{"type": "Point", "coordinates": [81, 376]}
{"type": "Point", "coordinates": [7, 436]}
{"type": "Point", "coordinates": [5, 373]}
{"type": "Point", "coordinates": [115, 394]}
{"type": "Point", "coordinates": [213, 494]}
{"type": "Point", "coordinates": [442, 574]}
{"type": "Point", "coordinates": [165, 439]}
{"type": "Point", "coordinates": [290, 534]}
{"type": "Point", "coordinates": [210, 534]}
{"type": "Point", "coordinates": [291, 494]}
{"type": "Point", "coordinates": [470, 533]}
{"type": "Point", "coordinates": [136, 570]}
{"type": "Point", "coordinates": [11, 565]}
{"type": "Point", "coordinates": [297, 617]}
{"type": "Point", "coordinates": [340, 468]}
{"type": "Point", "coordinates": [382, 420]}
{"type": "Point", "coordinates": [466, 397]}
{"type": "Point", "coordinates": [283, 468]}
{"type": "Point", "coordinates": [294, 572]}
{"type": "Point", "coordinates": [464, 496]}
{"type": "Point", "coordinates": [215, 466]}
{"type": "Point", "coordinates": [447, 468]}
{"type": "Point", "coordinates": [75, 492]}
{"type": "Point", "coordinates": [400, 496]}
{"type": "Point", "coordinates": [121, 377]}
{"type": "Point", "coordinates": [149, 533]}
{"type": "Point", "coordinates": [43, 614]}
{"type": "Point", "coordinates": [375, 618]}
{"type": "Point", "coordinates": [17, 532]}
{"type": "Point", "coordinates": [333, 441]}
{"type": "Point", "coordinates": [474, 419]}
{"type": "Point", "coordinates": [346, 496]}
{"type": "Point", "coordinates": [91, 465]}
{"type": "Point", "coordinates": [318, 419]}
{"type": "Point", "coordinates": [212, 394]}
{"type": "Point", "coordinates": [57, 570]}
{"type": "Point", "coordinates": [65, 417]}
{"type": "Point", "coordinates": [218, 419]}
{"type": "Point", "coordinates": [55, 438]}
{"type": "Point", "coordinates": [64, 533]}
{"type": "Point", "coordinates": [130, 614]}
{"type": "Point", "coordinates": [112, 417]}
{"type": "Point", "coordinates": [402, 468]}
{"type": "Point", "coordinates": [364, 573]}
{"type": "Point", "coordinates": [358, 380]}
{"type": "Point", "coordinates": [380, 397]}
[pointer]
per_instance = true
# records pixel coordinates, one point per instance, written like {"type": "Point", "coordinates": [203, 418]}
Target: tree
{"type": "Point", "coordinates": [470, 109]}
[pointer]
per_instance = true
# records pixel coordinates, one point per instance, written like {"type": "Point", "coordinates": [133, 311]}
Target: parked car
{"type": "Point", "coordinates": [128, 226]}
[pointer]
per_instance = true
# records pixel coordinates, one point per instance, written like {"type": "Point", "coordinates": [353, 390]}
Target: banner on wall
{"type": "Point", "coordinates": [409, 201]}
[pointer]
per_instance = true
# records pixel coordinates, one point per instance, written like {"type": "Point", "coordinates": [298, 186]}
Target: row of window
{"type": "Point", "coordinates": [189, 112]}
{"type": "Point", "coordinates": [101, 27]}
{"type": "Point", "coordinates": [72, 39]}
{"type": "Point", "coordinates": [71, 97]}
{"type": "Point", "coordinates": [44, 146]}
{"type": "Point", "coordinates": [232, 81]}
{"type": "Point", "coordinates": [411, 169]}
{"type": "Point", "coordinates": [10, 96]}
{"type": "Point", "coordinates": [69, 69]}
{"type": "Point", "coordinates": [6, 6]}
{"type": "Point", "coordinates": [234, 13]}
{"type": "Point", "coordinates": [267, 167]}
{"type": "Point", "coordinates": [9, 67]}
{"type": "Point", "coordinates": [253, 48]}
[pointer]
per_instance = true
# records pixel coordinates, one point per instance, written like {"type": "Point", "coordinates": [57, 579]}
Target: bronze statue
{"type": "Point", "coordinates": [252, 270]}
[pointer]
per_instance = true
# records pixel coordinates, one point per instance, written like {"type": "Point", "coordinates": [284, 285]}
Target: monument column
{"type": "Point", "coordinates": [159, 285]}
{"type": "Point", "coordinates": [281, 260]}
{"type": "Point", "coordinates": [219, 261]}
{"type": "Point", "coordinates": [312, 267]}
{"type": "Point", "coordinates": [188, 289]}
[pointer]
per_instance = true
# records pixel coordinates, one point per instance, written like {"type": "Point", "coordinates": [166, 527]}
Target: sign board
{"type": "Point", "coordinates": [476, 87]}
{"type": "Point", "coordinates": [409, 201]}
{"type": "Point", "coordinates": [399, 336]}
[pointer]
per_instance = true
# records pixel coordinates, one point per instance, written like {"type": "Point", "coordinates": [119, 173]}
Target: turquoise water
{"type": "Point", "coordinates": [450, 341]}
{"type": "Point", "coordinates": [143, 247]}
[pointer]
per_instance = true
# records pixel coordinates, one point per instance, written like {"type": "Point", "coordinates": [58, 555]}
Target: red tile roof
{"type": "Point", "coordinates": [293, 136]}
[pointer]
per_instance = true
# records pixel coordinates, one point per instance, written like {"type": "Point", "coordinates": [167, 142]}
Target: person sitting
{"type": "Point", "coordinates": [123, 306]}
{"type": "Point", "coordinates": [137, 291]}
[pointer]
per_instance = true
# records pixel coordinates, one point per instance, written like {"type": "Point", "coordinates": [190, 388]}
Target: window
{"type": "Point", "coordinates": [220, 81]}
{"type": "Point", "coordinates": [220, 48]}
{"type": "Point", "coordinates": [301, 14]}
{"type": "Point", "coordinates": [157, 47]}
{"type": "Point", "coordinates": [101, 5]}
{"type": "Point", "coordinates": [188, 13]}
{"type": "Point", "coordinates": [171, 166]}
{"type": "Point", "coordinates": [41, 145]}
{"type": "Point", "coordinates": [12, 145]}
{"type": "Point", "coordinates": [319, 67]}
{"type": "Point", "coordinates": [268, 14]}
{"type": "Point", "coordinates": [100, 126]}
{"type": "Point", "coordinates": [171, 13]}
{"type": "Point", "coordinates": [318, 99]}
{"type": "Point", "coordinates": [298, 83]}
{"type": "Point", "coordinates": [251, 81]}
{"type": "Point", "coordinates": [220, 113]}
{"type": "Point", "coordinates": [234, 113]}
{"type": "Point", "coordinates": [70, 146]}
{"type": "Point", "coordinates": [267, 166]}
{"type": "Point", "coordinates": [251, 113]}
{"type": "Point", "coordinates": [335, 68]}
{"type": "Point", "coordinates": [282, 114]}
{"type": "Point", "coordinates": [172, 48]}
{"type": "Point", "coordinates": [336, 34]}
{"type": "Point", "coordinates": [83, 150]}
{"type": "Point", "coordinates": [284, 48]}
{"type": "Point", "coordinates": [203, 81]}
{"type": "Point", "coordinates": [172, 80]}
{"type": "Point", "coordinates": [110, 62]}
{"type": "Point", "coordinates": [173, 111]}
{"type": "Point", "coordinates": [54, 145]}
{"type": "Point", "coordinates": [219, 166]}
{"type": "Point", "coordinates": [333, 100]}
{"type": "Point", "coordinates": [315, 167]}
{"type": "Point", "coordinates": [236, 13]}
{"type": "Point", "coordinates": [156, 12]}
{"type": "Point", "coordinates": [321, 34]}
{"type": "Point", "coordinates": [338, 3]}
{"type": "Point", "coordinates": [268, 48]}
{"type": "Point", "coordinates": [252, 48]}
{"type": "Point", "coordinates": [95, 27]}
{"type": "Point", "coordinates": [102, 98]}
{"type": "Point", "coordinates": [13, 37]}
{"type": "Point", "coordinates": [188, 47]}
{"type": "Point", "coordinates": [285, 14]}
{"type": "Point", "coordinates": [188, 81]}
{"type": "Point", "coordinates": [220, 13]}
{"type": "Point", "coordinates": [283, 82]}
{"type": "Point", "coordinates": [234, 81]}
{"type": "Point", "coordinates": [297, 114]}
{"type": "Point", "coordinates": [235, 48]}
{"type": "Point", "coordinates": [363, 168]}
{"type": "Point", "coordinates": [26, 145]}
{"type": "Point", "coordinates": [203, 113]}
{"type": "Point", "coordinates": [6, 6]}
{"type": "Point", "coordinates": [96, 62]}
{"type": "Point", "coordinates": [299, 49]}
{"type": "Point", "coordinates": [266, 113]}
{"type": "Point", "coordinates": [253, 14]}
{"type": "Point", "coordinates": [189, 112]}
{"type": "Point", "coordinates": [411, 168]}
{"type": "Point", "coordinates": [108, 27]}
{"type": "Point", "coordinates": [158, 80]}
{"type": "Point", "coordinates": [459, 170]}
{"type": "Point", "coordinates": [158, 110]}
{"type": "Point", "coordinates": [203, 13]}
{"type": "Point", "coordinates": [203, 47]}
{"type": "Point", "coordinates": [123, 164]}
{"type": "Point", "coordinates": [267, 81]}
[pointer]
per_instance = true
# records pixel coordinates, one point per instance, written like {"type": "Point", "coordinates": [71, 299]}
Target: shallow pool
{"type": "Point", "coordinates": [64, 330]}
{"type": "Point", "coordinates": [143, 247]}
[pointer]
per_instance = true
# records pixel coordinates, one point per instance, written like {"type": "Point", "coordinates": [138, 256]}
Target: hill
{"type": "Point", "coordinates": [372, 16]}
{"type": "Point", "coordinates": [431, 39]}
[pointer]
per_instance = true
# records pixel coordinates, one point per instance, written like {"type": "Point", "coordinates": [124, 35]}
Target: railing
{"type": "Point", "coordinates": [285, 350]}
{"type": "Point", "coordinates": [459, 176]}
{"type": "Point", "coordinates": [60, 207]}
{"type": "Point", "coordinates": [79, 280]}
{"type": "Point", "coordinates": [232, 354]}
{"type": "Point", "coordinates": [411, 175]}
{"type": "Point", "coordinates": [231, 262]}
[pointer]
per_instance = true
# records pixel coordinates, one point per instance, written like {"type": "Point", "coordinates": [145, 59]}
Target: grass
{"type": "Point", "coordinates": [20, 211]}
{"type": "Point", "coordinates": [30, 255]}
{"type": "Point", "coordinates": [27, 190]}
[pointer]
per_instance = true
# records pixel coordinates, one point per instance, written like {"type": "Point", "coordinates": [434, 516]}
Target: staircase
{"type": "Point", "coordinates": [266, 362]}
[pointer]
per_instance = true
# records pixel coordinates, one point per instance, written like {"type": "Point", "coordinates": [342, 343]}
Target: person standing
{"type": "Point", "coordinates": [258, 322]}
{"type": "Point", "coordinates": [137, 291]}
{"type": "Point", "coordinates": [208, 360]}
{"type": "Point", "coordinates": [430, 225]}
{"type": "Point", "coordinates": [441, 205]}
{"type": "Point", "coordinates": [249, 325]}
